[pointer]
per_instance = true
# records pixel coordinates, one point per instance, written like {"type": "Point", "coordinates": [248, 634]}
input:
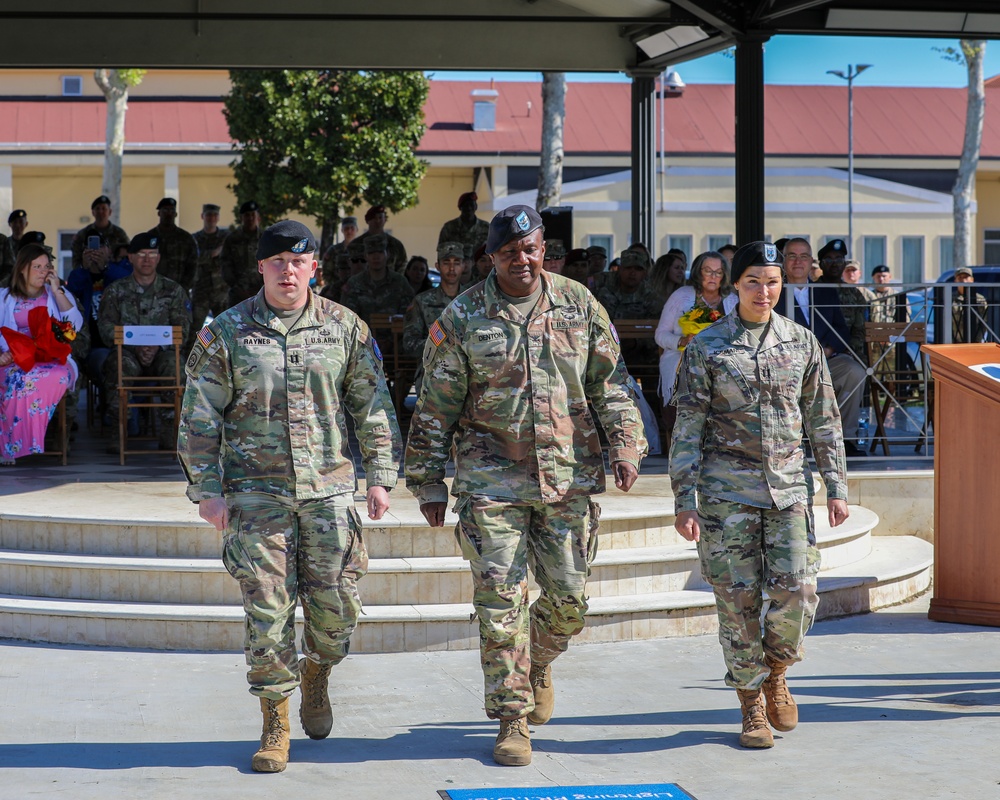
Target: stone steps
{"type": "Point", "coordinates": [159, 583]}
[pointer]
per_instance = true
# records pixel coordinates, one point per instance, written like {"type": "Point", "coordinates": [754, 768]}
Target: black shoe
{"type": "Point", "coordinates": [852, 450]}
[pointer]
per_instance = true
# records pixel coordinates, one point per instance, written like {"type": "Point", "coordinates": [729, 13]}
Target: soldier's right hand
{"type": "Point", "coordinates": [688, 525]}
{"type": "Point", "coordinates": [215, 512]}
{"type": "Point", "coordinates": [434, 513]}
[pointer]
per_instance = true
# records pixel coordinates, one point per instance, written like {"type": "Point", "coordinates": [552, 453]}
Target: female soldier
{"type": "Point", "coordinates": [750, 387]}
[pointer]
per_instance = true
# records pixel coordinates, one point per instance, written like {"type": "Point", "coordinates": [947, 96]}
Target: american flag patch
{"type": "Point", "coordinates": [205, 337]}
{"type": "Point", "coordinates": [437, 334]}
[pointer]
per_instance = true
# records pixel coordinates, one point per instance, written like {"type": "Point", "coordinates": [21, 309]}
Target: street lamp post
{"type": "Point", "coordinates": [852, 72]}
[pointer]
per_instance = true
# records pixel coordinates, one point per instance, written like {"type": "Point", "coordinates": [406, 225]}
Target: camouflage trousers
{"type": "Point", "coordinates": [283, 552]}
{"type": "Point", "coordinates": [500, 539]}
{"type": "Point", "coordinates": [745, 552]}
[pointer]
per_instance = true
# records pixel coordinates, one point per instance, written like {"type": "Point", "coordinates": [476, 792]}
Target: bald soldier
{"type": "Point", "coordinates": [278, 372]}
{"type": "Point", "coordinates": [510, 367]}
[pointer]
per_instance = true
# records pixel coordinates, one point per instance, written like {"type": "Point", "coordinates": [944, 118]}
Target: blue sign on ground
{"type": "Point", "coordinates": [646, 791]}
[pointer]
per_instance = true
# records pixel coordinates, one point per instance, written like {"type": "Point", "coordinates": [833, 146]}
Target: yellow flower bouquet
{"type": "Point", "coordinates": [697, 319]}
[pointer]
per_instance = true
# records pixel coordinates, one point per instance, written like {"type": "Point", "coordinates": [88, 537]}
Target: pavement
{"type": "Point", "coordinates": [892, 706]}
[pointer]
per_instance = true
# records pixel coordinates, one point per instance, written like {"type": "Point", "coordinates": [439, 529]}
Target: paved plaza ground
{"type": "Point", "coordinates": [892, 705]}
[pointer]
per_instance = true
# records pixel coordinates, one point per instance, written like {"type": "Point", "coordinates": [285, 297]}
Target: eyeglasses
{"type": "Point", "coordinates": [712, 273]}
{"type": "Point", "coordinates": [798, 257]}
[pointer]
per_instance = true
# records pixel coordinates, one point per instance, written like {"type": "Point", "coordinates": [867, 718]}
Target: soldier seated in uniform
{"type": "Point", "coordinates": [377, 290]}
{"type": "Point", "coordinates": [555, 256]}
{"type": "Point", "coordinates": [577, 265]}
{"type": "Point", "coordinates": [143, 298]}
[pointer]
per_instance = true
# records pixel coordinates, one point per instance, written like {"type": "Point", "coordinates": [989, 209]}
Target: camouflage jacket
{"type": "Point", "coordinates": [6, 258]}
{"type": "Point", "coordinates": [392, 295]}
{"type": "Point", "coordinates": [264, 408]}
{"type": "Point", "coordinates": [643, 303]}
{"type": "Point", "coordinates": [854, 307]}
{"type": "Point", "coordinates": [454, 230]}
{"type": "Point", "coordinates": [178, 255]}
{"type": "Point", "coordinates": [513, 394]}
{"type": "Point", "coordinates": [743, 409]}
{"type": "Point", "coordinates": [422, 313]}
{"type": "Point", "coordinates": [238, 262]}
{"type": "Point", "coordinates": [112, 236]}
{"type": "Point", "coordinates": [208, 277]}
{"type": "Point", "coordinates": [125, 302]}
{"type": "Point", "coordinates": [395, 251]}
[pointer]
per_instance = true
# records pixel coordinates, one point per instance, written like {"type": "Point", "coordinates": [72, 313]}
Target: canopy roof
{"type": "Point", "coordinates": [568, 35]}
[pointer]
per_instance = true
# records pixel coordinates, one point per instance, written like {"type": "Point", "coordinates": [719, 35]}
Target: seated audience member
{"type": "Point", "coordinates": [88, 283]}
{"type": "Point", "coordinates": [968, 314]}
{"type": "Point", "coordinates": [555, 256]}
{"type": "Point", "coordinates": [597, 275]}
{"type": "Point", "coordinates": [337, 276]}
{"type": "Point", "coordinates": [577, 265]}
{"type": "Point", "coordinates": [427, 306]}
{"type": "Point", "coordinates": [729, 250]}
{"type": "Point", "coordinates": [483, 265]}
{"type": "Point", "coordinates": [667, 275]}
{"type": "Point", "coordinates": [416, 273]}
{"type": "Point", "coordinates": [376, 289]}
{"type": "Point", "coordinates": [708, 288]}
{"type": "Point", "coordinates": [628, 294]}
{"type": "Point", "coordinates": [36, 368]}
{"type": "Point", "coordinates": [818, 306]}
{"type": "Point", "coordinates": [142, 298]}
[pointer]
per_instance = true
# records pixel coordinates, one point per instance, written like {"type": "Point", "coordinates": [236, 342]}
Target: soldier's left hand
{"type": "Point", "coordinates": [625, 474]}
{"type": "Point", "coordinates": [378, 501]}
{"type": "Point", "coordinates": [838, 511]}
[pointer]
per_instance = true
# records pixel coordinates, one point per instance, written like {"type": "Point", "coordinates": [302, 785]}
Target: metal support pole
{"type": "Point", "coordinates": [750, 139]}
{"type": "Point", "coordinates": [644, 161]}
{"type": "Point", "coordinates": [850, 165]}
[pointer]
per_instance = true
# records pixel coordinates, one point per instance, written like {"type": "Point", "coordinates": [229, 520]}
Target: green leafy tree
{"type": "Point", "coordinates": [316, 142]}
{"type": "Point", "coordinates": [114, 84]}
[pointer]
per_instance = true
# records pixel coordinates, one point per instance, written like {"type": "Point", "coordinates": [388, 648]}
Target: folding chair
{"type": "Point", "coordinates": [147, 391]}
{"type": "Point", "coordinates": [890, 384]}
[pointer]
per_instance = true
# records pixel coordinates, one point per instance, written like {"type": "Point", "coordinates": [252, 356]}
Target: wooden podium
{"type": "Point", "coordinates": [966, 485]}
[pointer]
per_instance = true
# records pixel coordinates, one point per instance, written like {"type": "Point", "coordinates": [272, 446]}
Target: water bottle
{"type": "Point", "coordinates": [863, 429]}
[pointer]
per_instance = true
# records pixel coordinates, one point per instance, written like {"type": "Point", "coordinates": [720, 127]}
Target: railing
{"type": "Point", "coordinates": [897, 394]}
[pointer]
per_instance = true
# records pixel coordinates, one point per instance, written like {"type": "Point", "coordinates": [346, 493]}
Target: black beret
{"type": "Point", "coordinates": [144, 241]}
{"type": "Point", "coordinates": [248, 206]}
{"type": "Point", "coordinates": [286, 236]}
{"type": "Point", "coordinates": [102, 199]}
{"type": "Point", "coordinates": [17, 213]}
{"type": "Point", "coordinates": [166, 202]}
{"type": "Point", "coordinates": [880, 269]}
{"type": "Point", "coordinates": [515, 222]}
{"type": "Point", "coordinates": [780, 244]}
{"type": "Point", "coordinates": [834, 247]}
{"type": "Point", "coordinates": [755, 254]}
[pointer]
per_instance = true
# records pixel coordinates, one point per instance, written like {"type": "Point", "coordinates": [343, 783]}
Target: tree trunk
{"type": "Point", "coordinates": [553, 117]}
{"type": "Point", "coordinates": [961, 192]}
{"type": "Point", "coordinates": [116, 96]}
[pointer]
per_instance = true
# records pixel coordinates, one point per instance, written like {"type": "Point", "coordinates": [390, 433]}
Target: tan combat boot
{"type": "Point", "coordinates": [545, 695]}
{"type": "Point", "coordinates": [513, 745]}
{"type": "Point", "coordinates": [315, 713]}
{"type": "Point", "coordinates": [275, 737]}
{"type": "Point", "coordinates": [755, 731]}
{"type": "Point", "coordinates": [782, 712]}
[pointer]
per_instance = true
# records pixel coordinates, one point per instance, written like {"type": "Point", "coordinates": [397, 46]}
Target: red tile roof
{"type": "Point", "coordinates": [800, 121]}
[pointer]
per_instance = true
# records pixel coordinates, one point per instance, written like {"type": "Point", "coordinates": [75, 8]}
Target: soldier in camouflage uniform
{"type": "Point", "coordinates": [511, 366]}
{"type": "Point", "coordinates": [376, 217]}
{"type": "Point", "coordinates": [143, 298]}
{"type": "Point", "coordinates": [210, 292]}
{"type": "Point", "coordinates": [178, 251]}
{"type": "Point", "coordinates": [349, 229]}
{"type": "Point", "coordinates": [111, 235]}
{"type": "Point", "coordinates": [238, 260]}
{"type": "Point", "coordinates": [555, 256]}
{"type": "Point", "coordinates": [427, 306]}
{"type": "Point", "coordinates": [6, 259]}
{"type": "Point", "coordinates": [377, 289]}
{"type": "Point", "coordinates": [749, 389]}
{"type": "Point", "coordinates": [466, 228]}
{"type": "Point", "coordinates": [279, 371]}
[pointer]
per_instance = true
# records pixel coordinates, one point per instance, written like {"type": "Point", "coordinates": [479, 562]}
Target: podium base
{"type": "Point", "coordinates": [964, 612]}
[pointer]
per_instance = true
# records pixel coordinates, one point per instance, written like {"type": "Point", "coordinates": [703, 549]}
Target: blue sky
{"type": "Point", "coordinates": [805, 60]}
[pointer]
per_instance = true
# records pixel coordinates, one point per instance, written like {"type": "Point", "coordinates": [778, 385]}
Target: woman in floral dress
{"type": "Point", "coordinates": [29, 399]}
